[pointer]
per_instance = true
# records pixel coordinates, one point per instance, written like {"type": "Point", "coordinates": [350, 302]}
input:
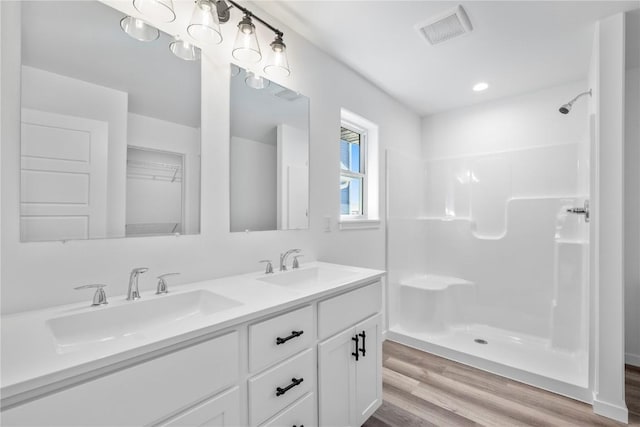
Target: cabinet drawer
{"type": "Point", "coordinates": [140, 394]}
{"type": "Point", "coordinates": [222, 410]}
{"type": "Point", "coordinates": [343, 311]}
{"type": "Point", "coordinates": [264, 349]}
{"type": "Point", "coordinates": [264, 401]}
{"type": "Point", "coordinates": [301, 413]}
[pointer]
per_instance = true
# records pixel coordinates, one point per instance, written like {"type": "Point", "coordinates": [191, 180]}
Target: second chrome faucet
{"type": "Point", "coordinates": [133, 293]}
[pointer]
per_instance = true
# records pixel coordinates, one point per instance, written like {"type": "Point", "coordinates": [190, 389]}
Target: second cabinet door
{"type": "Point", "coordinates": [349, 390]}
{"type": "Point", "coordinates": [368, 388]}
{"type": "Point", "coordinates": [336, 379]}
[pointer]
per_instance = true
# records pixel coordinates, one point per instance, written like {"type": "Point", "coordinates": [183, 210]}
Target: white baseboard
{"type": "Point", "coordinates": [632, 359]}
{"type": "Point", "coordinates": [609, 410]}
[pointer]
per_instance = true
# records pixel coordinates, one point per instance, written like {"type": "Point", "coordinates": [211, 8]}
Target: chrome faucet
{"type": "Point", "coordinates": [284, 256]}
{"type": "Point", "coordinates": [133, 293]}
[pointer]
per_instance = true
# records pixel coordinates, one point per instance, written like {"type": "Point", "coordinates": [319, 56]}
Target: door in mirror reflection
{"type": "Point", "coordinates": [110, 143]}
{"type": "Point", "coordinates": [269, 164]}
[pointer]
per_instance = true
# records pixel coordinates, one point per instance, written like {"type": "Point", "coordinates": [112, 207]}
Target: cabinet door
{"type": "Point", "coordinates": [221, 411]}
{"type": "Point", "coordinates": [336, 379]}
{"type": "Point", "coordinates": [368, 388]}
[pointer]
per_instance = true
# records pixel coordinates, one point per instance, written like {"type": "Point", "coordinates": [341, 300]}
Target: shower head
{"type": "Point", "coordinates": [567, 107]}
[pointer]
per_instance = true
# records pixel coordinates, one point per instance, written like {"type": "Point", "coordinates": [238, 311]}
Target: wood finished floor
{"type": "Point", "coordinates": [421, 389]}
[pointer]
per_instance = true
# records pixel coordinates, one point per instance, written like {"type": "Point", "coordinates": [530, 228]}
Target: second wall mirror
{"type": "Point", "coordinates": [269, 155]}
{"type": "Point", "coordinates": [110, 143]}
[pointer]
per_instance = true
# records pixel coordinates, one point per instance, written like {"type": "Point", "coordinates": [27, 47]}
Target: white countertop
{"type": "Point", "coordinates": [31, 358]}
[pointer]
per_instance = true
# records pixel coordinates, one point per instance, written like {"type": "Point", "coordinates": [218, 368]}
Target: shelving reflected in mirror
{"type": "Point", "coordinates": [269, 150]}
{"type": "Point", "coordinates": [110, 132]}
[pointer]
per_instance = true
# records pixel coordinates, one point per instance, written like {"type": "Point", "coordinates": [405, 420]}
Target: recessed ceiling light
{"type": "Point", "coordinates": [479, 87]}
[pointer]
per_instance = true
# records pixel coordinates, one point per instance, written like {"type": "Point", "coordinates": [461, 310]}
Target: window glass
{"type": "Point", "coordinates": [352, 175]}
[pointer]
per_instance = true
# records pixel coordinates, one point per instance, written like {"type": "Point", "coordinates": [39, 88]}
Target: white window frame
{"type": "Point", "coordinates": [369, 160]}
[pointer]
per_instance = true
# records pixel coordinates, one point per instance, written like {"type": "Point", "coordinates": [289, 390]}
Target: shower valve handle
{"type": "Point", "coordinates": [581, 211]}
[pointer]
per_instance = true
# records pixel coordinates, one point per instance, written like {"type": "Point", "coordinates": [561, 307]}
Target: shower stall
{"type": "Point", "coordinates": [488, 252]}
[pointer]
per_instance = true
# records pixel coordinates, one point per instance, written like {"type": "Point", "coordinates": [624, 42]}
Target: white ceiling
{"type": "Point", "coordinates": [515, 46]}
{"type": "Point", "coordinates": [83, 40]}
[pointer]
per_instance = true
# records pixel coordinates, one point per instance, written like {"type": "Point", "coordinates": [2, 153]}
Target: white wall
{"type": "Point", "coordinates": [43, 274]}
{"type": "Point", "coordinates": [253, 185]}
{"type": "Point", "coordinates": [45, 91]}
{"type": "Point", "coordinates": [148, 132]}
{"type": "Point", "coordinates": [524, 121]}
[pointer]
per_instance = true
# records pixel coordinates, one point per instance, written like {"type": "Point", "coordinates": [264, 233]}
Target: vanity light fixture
{"type": "Point", "coordinates": [138, 29]}
{"type": "Point", "coordinates": [204, 27]}
{"type": "Point", "coordinates": [156, 10]}
{"type": "Point", "coordinates": [184, 50]}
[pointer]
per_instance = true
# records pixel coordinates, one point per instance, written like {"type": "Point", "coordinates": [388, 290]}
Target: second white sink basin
{"type": "Point", "coordinates": [309, 277]}
{"type": "Point", "coordinates": [134, 318]}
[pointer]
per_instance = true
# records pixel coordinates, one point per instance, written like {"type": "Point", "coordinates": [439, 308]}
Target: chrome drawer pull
{"type": "Point", "coordinates": [293, 335]}
{"type": "Point", "coordinates": [294, 382]}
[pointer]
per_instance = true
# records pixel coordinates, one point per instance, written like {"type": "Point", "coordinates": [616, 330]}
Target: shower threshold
{"type": "Point", "coordinates": [523, 358]}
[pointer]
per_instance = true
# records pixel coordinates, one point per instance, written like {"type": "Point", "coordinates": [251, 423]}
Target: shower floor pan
{"type": "Point", "coordinates": [523, 358]}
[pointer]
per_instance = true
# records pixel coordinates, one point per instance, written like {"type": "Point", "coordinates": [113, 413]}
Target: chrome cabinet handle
{"type": "Point", "coordinates": [269, 267]}
{"type": "Point", "coordinates": [294, 382]}
{"type": "Point", "coordinates": [100, 296]}
{"type": "Point", "coordinates": [163, 288]}
{"type": "Point", "coordinates": [294, 334]}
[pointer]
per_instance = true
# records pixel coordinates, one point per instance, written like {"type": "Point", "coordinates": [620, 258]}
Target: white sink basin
{"type": "Point", "coordinates": [309, 277]}
{"type": "Point", "coordinates": [134, 318]}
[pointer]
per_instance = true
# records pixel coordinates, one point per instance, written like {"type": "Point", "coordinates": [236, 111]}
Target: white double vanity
{"type": "Point", "coordinates": [293, 348]}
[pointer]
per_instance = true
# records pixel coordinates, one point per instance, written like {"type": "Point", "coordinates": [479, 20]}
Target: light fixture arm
{"type": "Point", "coordinates": [250, 14]}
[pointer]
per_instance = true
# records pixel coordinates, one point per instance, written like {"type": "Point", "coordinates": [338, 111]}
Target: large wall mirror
{"type": "Point", "coordinates": [110, 140]}
{"type": "Point", "coordinates": [269, 187]}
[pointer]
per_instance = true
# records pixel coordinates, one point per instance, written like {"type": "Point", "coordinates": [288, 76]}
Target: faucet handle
{"type": "Point", "coordinates": [296, 263]}
{"type": "Point", "coordinates": [162, 283]}
{"type": "Point", "coordinates": [100, 297]}
{"type": "Point", "coordinates": [269, 268]}
{"type": "Point", "coordinates": [139, 270]}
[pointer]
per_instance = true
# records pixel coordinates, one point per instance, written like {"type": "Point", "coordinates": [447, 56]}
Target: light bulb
{"type": "Point", "coordinates": [479, 87]}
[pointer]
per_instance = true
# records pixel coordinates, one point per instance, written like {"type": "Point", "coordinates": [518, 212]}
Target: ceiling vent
{"type": "Point", "coordinates": [446, 26]}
